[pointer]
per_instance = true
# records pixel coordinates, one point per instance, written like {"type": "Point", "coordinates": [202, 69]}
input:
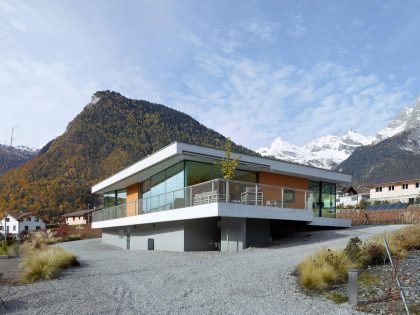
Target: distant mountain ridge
{"type": "Point", "coordinates": [110, 133]}
{"type": "Point", "coordinates": [329, 151]}
{"type": "Point", "coordinates": [11, 157]}
{"type": "Point", "coordinates": [393, 156]}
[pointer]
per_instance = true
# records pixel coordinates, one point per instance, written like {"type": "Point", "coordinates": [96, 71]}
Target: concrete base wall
{"type": "Point", "coordinates": [257, 231]}
{"type": "Point", "coordinates": [166, 235]}
{"type": "Point", "coordinates": [189, 235]}
{"type": "Point", "coordinates": [115, 237]}
{"type": "Point", "coordinates": [233, 234]}
{"type": "Point", "coordinates": [199, 233]}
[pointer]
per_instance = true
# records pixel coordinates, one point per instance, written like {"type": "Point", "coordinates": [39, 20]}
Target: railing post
{"type": "Point", "coordinates": [282, 197]}
{"type": "Point", "coordinates": [227, 190]}
{"type": "Point", "coordinates": [306, 202]}
{"type": "Point", "coordinates": [191, 203]}
{"type": "Point", "coordinates": [256, 194]}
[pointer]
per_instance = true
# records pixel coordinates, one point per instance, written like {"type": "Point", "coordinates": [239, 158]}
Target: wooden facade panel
{"type": "Point", "coordinates": [132, 195]}
{"type": "Point", "coordinates": [295, 199]}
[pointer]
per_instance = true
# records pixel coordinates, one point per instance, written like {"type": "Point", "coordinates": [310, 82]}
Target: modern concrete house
{"type": "Point", "coordinates": [16, 222]}
{"type": "Point", "coordinates": [176, 199]}
{"type": "Point", "coordinates": [405, 188]}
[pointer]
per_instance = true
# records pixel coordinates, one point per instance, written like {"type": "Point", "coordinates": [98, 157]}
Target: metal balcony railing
{"type": "Point", "coordinates": [217, 190]}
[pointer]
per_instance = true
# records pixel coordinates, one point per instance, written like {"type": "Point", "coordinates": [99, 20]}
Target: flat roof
{"type": "Point", "coordinates": [178, 151]}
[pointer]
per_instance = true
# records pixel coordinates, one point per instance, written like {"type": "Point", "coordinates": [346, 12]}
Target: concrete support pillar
{"type": "Point", "coordinates": [233, 234]}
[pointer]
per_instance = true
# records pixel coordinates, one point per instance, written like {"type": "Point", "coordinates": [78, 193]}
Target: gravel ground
{"type": "Point", "coordinates": [114, 281]}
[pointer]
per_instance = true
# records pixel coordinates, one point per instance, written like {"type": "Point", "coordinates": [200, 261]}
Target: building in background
{"type": "Point", "coordinates": [16, 222]}
{"type": "Point", "coordinates": [404, 189]}
{"type": "Point", "coordinates": [349, 196]}
{"type": "Point", "coordinates": [79, 217]}
{"type": "Point", "coordinates": [176, 199]}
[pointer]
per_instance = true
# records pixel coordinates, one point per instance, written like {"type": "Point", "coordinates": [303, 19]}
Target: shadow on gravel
{"type": "Point", "coordinates": [13, 305]}
{"type": "Point", "coordinates": [310, 237]}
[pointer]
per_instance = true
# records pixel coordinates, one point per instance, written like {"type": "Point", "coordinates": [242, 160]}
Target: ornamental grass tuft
{"type": "Point", "coordinates": [331, 266]}
{"type": "Point", "coordinates": [46, 263]}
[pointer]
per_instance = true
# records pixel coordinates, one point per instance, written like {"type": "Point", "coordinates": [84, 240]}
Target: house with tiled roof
{"type": "Point", "coordinates": [17, 222]}
{"type": "Point", "coordinates": [79, 217]}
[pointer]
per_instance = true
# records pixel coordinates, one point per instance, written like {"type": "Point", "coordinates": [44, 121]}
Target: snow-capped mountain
{"type": "Point", "coordinates": [326, 152]}
{"type": "Point", "coordinates": [329, 151]}
{"type": "Point", "coordinates": [408, 119]}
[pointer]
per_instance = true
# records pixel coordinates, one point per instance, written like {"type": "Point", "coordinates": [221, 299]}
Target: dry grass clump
{"type": "Point", "coordinates": [3, 248]}
{"type": "Point", "coordinates": [324, 267]}
{"type": "Point", "coordinates": [45, 263]}
{"type": "Point", "coordinates": [331, 266]}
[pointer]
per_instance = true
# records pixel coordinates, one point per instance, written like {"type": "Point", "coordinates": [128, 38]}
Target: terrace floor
{"type": "Point", "coordinates": [115, 281]}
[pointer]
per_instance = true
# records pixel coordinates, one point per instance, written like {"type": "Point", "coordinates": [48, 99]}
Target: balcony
{"type": "Point", "coordinates": [214, 191]}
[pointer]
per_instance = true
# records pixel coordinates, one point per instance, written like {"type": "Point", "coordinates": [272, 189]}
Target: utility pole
{"type": "Point", "coordinates": [6, 158]}
{"type": "Point", "coordinates": [11, 136]}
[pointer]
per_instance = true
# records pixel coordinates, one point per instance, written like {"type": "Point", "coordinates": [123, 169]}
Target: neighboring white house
{"type": "Point", "coordinates": [350, 197]}
{"type": "Point", "coordinates": [396, 189]}
{"type": "Point", "coordinates": [17, 222]}
{"type": "Point", "coordinates": [79, 217]}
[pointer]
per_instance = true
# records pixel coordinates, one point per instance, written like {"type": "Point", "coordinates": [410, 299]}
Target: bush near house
{"type": "Point", "coordinates": [328, 266]}
{"type": "Point", "coordinates": [43, 262]}
{"type": "Point", "coordinates": [46, 263]}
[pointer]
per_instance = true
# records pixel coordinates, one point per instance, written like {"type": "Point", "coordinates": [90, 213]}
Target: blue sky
{"type": "Point", "coordinates": [252, 70]}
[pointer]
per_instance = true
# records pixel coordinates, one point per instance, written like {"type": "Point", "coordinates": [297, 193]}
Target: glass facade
{"type": "Point", "coordinates": [114, 198]}
{"type": "Point", "coordinates": [197, 172]}
{"type": "Point", "coordinates": [323, 199]}
{"type": "Point", "coordinates": [164, 188]}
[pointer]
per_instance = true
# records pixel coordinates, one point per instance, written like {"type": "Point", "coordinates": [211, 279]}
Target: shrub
{"type": "Point", "coordinates": [352, 249]}
{"type": "Point", "coordinates": [324, 267]}
{"type": "Point", "coordinates": [331, 266]}
{"type": "Point", "coordinates": [3, 248]}
{"type": "Point", "coordinates": [45, 264]}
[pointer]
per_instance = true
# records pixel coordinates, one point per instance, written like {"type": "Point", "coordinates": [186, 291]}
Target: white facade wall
{"type": "Point", "coordinates": [75, 220]}
{"type": "Point", "coordinates": [16, 227]}
{"type": "Point", "coordinates": [398, 194]}
{"type": "Point", "coordinates": [12, 226]}
{"type": "Point", "coordinates": [350, 200]}
{"type": "Point", "coordinates": [31, 224]}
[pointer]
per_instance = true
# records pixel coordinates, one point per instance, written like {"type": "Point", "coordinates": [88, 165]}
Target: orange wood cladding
{"type": "Point", "coordinates": [132, 195]}
{"type": "Point", "coordinates": [274, 195]}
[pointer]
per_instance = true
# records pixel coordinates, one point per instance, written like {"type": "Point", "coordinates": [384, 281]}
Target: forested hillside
{"type": "Point", "coordinates": [111, 133]}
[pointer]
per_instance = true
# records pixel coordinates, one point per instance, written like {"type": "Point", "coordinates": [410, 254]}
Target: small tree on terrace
{"type": "Point", "coordinates": [228, 165]}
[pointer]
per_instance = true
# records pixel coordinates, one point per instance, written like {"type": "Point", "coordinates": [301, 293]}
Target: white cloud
{"type": "Point", "coordinates": [20, 26]}
{"type": "Point", "coordinates": [39, 97]}
{"type": "Point", "coordinates": [256, 102]}
{"type": "Point", "coordinates": [264, 30]}
{"type": "Point", "coordinates": [7, 7]}
{"type": "Point", "coordinates": [297, 29]}
{"type": "Point", "coordinates": [190, 37]}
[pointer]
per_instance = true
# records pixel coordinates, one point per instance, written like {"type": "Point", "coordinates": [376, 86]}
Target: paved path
{"type": "Point", "coordinates": [114, 281]}
{"type": "Point", "coordinates": [9, 269]}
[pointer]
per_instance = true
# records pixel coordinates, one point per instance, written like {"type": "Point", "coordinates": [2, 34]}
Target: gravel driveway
{"type": "Point", "coordinates": [115, 281]}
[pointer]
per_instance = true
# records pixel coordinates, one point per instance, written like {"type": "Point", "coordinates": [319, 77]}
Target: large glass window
{"type": "Point", "coordinates": [121, 197]}
{"type": "Point", "coordinates": [323, 199]}
{"type": "Point", "coordinates": [328, 200]}
{"type": "Point", "coordinates": [164, 189]}
{"type": "Point", "coordinates": [197, 172]}
{"type": "Point", "coordinates": [114, 198]}
{"type": "Point", "coordinates": [109, 199]}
